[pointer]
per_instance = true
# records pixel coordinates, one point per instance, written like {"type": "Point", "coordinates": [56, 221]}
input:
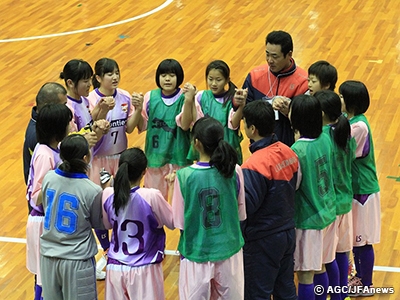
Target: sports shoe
{"type": "Point", "coordinates": [104, 176]}
{"type": "Point", "coordinates": [100, 265]}
{"type": "Point", "coordinates": [100, 275]}
{"type": "Point", "coordinates": [357, 289]}
{"type": "Point", "coordinates": [362, 291]}
{"type": "Point", "coordinates": [102, 262]}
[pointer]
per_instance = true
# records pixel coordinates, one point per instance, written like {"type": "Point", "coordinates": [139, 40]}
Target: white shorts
{"type": "Point", "coordinates": [34, 230]}
{"type": "Point", "coordinates": [125, 282]}
{"type": "Point", "coordinates": [212, 280]}
{"type": "Point", "coordinates": [367, 221]}
{"type": "Point", "coordinates": [308, 252]}
{"type": "Point", "coordinates": [345, 232]}
{"type": "Point", "coordinates": [330, 242]}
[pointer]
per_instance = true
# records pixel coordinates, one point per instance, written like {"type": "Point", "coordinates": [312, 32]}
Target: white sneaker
{"type": "Point", "coordinates": [100, 265]}
{"type": "Point", "coordinates": [100, 275]}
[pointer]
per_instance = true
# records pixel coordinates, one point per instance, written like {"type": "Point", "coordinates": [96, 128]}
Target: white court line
{"type": "Point", "coordinates": [162, 6]}
{"type": "Point", "coordinates": [175, 252]}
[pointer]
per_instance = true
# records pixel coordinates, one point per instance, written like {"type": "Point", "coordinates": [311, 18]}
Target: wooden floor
{"type": "Point", "coordinates": [360, 37]}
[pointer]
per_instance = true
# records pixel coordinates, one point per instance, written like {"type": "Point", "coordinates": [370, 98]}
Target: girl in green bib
{"type": "Point", "coordinates": [315, 195]}
{"type": "Point", "coordinates": [224, 102]}
{"type": "Point", "coordinates": [208, 204]}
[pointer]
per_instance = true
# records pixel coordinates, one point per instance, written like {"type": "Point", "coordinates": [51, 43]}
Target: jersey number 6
{"type": "Point", "coordinates": [66, 217]}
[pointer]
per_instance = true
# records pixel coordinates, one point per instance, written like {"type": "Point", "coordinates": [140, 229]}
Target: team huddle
{"type": "Point", "coordinates": [306, 198]}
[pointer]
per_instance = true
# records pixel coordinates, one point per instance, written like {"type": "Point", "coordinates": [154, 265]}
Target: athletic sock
{"type": "Point", "coordinates": [321, 280]}
{"type": "Point", "coordinates": [38, 292]}
{"type": "Point", "coordinates": [306, 292]}
{"type": "Point", "coordinates": [367, 259]}
{"type": "Point", "coordinates": [343, 264]}
{"type": "Point", "coordinates": [332, 269]}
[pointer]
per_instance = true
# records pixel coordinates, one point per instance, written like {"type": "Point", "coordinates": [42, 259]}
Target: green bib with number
{"type": "Point", "coordinates": [212, 229]}
{"type": "Point", "coordinates": [315, 198]}
{"type": "Point", "coordinates": [166, 143]}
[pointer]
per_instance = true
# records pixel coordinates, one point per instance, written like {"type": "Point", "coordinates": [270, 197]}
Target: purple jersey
{"type": "Point", "coordinates": [80, 111]}
{"type": "Point", "coordinates": [43, 160]}
{"type": "Point", "coordinates": [138, 236]}
{"type": "Point", "coordinates": [115, 141]}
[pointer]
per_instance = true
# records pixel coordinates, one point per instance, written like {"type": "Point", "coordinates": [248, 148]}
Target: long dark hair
{"type": "Point", "coordinates": [332, 107]}
{"type": "Point", "coordinates": [72, 150]}
{"type": "Point", "coordinates": [132, 164]}
{"type": "Point", "coordinates": [211, 134]}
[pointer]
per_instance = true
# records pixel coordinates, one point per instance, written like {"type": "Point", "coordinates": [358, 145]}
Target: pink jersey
{"type": "Point", "coordinates": [115, 141]}
{"type": "Point", "coordinates": [80, 111]}
{"type": "Point", "coordinates": [138, 237]}
{"type": "Point", "coordinates": [43, 160]}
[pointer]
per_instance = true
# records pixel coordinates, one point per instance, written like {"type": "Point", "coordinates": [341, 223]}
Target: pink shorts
{"type": "Point", "coordinates": [124, 282]}
{"type": "Point", "coordinates": [308, 252]}
{"type": "Point", "coordinates": [345, 232]}
{"type": "Point", "coordinates": [155, 178]}
{"type": "Point", "coordinates": [34, 230]}
{"type": "Point", "coordinates": [330, 241]}
{"type": "Point", "coordinates": [367, 221]}
{"type": "Point", "coordinates": [212, 280]}
{"type": "Point", "coordinates": [109, 163]}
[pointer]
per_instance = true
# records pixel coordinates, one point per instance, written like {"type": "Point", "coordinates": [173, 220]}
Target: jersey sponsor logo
{"type": "Point", "coordinates": [117, 123]}
{"type": "Point", "coordinates": [124, 107]}
{"type": "Point", "coordinates": [158, 123]}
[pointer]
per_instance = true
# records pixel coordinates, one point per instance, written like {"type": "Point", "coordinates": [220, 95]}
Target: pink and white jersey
{"type": "Point", "coordinates": [80, 111]}
{"type": "Point", "coordinates": [138, 236]}
{"type": "Point", "coordinates": [115, 141]}
{"type": "Point", "coordinates": [43, 160]}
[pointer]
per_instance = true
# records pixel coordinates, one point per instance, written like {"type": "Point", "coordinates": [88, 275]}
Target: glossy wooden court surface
{"type": "Point", "coordinates": [361, 38]}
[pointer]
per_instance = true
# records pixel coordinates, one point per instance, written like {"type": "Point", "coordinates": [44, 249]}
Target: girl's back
{"type": "Point", "coordinates": [315, 197]}
{"type": "Point", "coordinates": [144, 215]}
{"type": "Point", "coordinates": [72, 206]}
{"type": "Point", "coordinates": [211, 214]}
